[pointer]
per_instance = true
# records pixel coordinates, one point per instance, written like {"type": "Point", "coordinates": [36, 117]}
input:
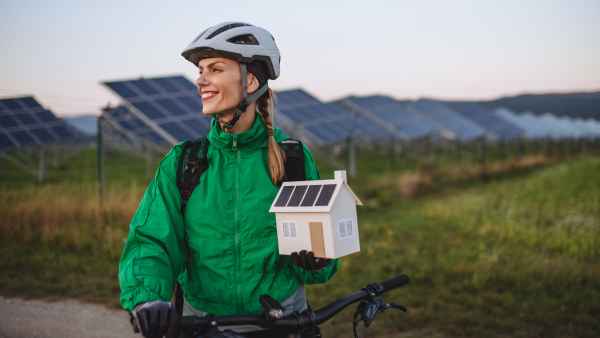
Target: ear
{"type": "Point", "coordinates": [253, 84]}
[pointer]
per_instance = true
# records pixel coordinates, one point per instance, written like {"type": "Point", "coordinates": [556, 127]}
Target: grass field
{"type": "Point", "coordinates": [510, 249]}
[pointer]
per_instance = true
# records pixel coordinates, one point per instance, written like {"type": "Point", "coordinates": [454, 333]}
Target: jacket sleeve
{"type": "Point", "coordinates": [321, 276]}
{"type": "Point", "coordinates": [155, 251]}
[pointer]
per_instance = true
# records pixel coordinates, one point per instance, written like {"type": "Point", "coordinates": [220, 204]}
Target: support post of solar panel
{"type": "Point", "coordinates": [392, 153]}
{"type": "Point", "coordinates": [481, 150]}
{"type": "Point", "coordinates": [42, 173]}
{"type": "Point", "coordinates": [100, 158]}
{"type": "Point", "coordinates": [430, 149]}
{"type": "Point", "coordinates": [56, 156]}
{"type": "Point", "coordinates": [148, 154]}
{"type": "Point", "coordinates": [351, 161]}
{"type": "Point", "coordinates": [457, 149]}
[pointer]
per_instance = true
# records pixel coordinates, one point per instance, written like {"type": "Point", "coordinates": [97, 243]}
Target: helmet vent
{"type": "Point", "coordinates": [199, 36]}
{"type": "Point", "coordinates": [226, 28]}
{"type": "Point", "coordinates": [245, 39]}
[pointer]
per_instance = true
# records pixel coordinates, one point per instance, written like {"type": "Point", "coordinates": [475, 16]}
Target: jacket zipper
{"type": "Point", "coordinates": [237, 230]}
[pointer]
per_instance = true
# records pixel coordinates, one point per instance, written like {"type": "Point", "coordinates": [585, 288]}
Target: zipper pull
{"type": "Point", "coordinates": [234, 147]}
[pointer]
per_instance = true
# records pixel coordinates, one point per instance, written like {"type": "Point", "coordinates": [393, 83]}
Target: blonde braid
{"type": "Point", "coordinates": [276, 154]}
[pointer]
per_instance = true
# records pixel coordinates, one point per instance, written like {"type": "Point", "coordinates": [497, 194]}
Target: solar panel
{"type": "Point", "coordinates": [171, 106]}
{"type": "Point", "coordinates": [311, 195]}
{"type": "Point", "coordinates": [325, 195]}
{"type": "Point", "coordinates": [384, 112]}
{"type": "Point", "coordinates": [25, 123]}
{"type": "Point", "coordinates": [302, 116]}
{"type": "Point", "coordinates": [486, 118]}
{"type": "Point", "coordinates": [297, 196]}
{"type": "Point", "coordinates": [448, 119]}
{"type": "Point", "coordinates": [130, 126]}
{"type": "Point", "coordinates": [284, 196]}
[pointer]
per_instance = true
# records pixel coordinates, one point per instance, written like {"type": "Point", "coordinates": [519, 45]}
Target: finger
{"type": "Point", "coordinates": [163, 321]}
{"type": "Point", "coordinates": [173, 331]}
{"type": "Point", "coordinates": [310, 258]}
{"type": "Point", "coordinates": [296, 259]}
{"type": "Point", "coordinates": [304, 257]}
{"type": "Point", "coordinates": [152, 316]}
{"type": "Point", "coordinates": [143, 323]}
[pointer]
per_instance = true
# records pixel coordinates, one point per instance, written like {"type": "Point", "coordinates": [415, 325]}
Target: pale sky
{"type": "Point", "coordinates": [59, 51]}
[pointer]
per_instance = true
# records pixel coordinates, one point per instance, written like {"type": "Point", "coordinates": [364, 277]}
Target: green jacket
{"type": "Point", "coordinates": [227, 247]}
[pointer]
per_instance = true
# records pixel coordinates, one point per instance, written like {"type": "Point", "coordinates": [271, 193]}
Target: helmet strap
{"type": "Point", "coordinates": [245, 100]}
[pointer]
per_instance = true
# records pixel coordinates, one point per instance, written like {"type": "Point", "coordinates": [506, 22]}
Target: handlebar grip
{"type": "Point", "coordinates": [394, 282]}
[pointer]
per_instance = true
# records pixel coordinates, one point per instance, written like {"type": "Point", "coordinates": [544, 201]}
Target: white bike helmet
{"type": "Point", "coordinates": [243, 43]}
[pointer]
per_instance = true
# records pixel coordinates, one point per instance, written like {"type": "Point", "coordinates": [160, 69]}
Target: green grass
{"type": "Point", "coordinates": [514, 254]}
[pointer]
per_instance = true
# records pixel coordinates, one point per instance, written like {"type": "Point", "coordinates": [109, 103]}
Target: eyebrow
{"type": "Point", "coordinates": [212, 64]}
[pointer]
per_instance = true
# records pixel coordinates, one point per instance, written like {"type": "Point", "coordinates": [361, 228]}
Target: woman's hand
{"type": "Point", "coordinates": [155, 319]}
{"type": "Point", "coordinates": [307, 261]}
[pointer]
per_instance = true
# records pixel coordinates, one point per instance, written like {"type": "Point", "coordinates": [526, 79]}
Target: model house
{"type": "Point", "coordinates": [317, 216]}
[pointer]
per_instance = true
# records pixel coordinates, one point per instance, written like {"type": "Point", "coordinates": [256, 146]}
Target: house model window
{"type": "Point", "coordinates": [317, 216]}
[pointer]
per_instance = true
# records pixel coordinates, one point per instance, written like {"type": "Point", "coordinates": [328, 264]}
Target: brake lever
{"type": "Point", "coordinates": [367, 309]}
{"type": "Point", "coordinates": [394, 306]}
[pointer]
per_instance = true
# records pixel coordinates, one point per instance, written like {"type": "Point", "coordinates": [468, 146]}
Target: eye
{"type": "Point", "coordinates": [200, 72]}
{"type": "Point", "coordinates": [217, 70]}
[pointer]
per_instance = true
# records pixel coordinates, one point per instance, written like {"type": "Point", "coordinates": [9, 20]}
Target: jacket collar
{"type": "Point", "coordinates": [256, 137]}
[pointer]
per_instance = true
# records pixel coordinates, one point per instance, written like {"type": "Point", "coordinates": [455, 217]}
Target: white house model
{"type": "Point", "coordinates": [317, 216]}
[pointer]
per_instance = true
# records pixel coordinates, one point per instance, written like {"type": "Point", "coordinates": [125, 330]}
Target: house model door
{"type": "Point", "coordinates": [316, 239]}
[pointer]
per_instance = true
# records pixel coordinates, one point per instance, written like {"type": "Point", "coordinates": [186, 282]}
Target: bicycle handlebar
{"type": "Point", "coordinates": [296, 321]}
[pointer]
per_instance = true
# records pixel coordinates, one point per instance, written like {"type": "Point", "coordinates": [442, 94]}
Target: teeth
{"type": "Point", "coordinates": [205, 95]}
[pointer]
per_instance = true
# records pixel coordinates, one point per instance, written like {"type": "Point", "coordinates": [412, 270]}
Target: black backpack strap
{"type": "Point", "coordinates": [192, 163]}
{"type": "Point", "coordinates": [294, 160]}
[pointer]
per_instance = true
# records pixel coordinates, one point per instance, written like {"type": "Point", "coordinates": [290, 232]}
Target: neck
{"type": "Point", "coordinates": [245, 122]}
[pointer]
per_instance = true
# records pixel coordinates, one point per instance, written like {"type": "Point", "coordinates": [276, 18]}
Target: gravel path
{"type": "Point", "coordinates": [64, 318]}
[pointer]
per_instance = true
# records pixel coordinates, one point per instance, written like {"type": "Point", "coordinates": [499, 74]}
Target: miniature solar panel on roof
{"type": "Point", "coordinates": [284, 196]}
{"type": "Point", "coordinates": [325, 195]}
{"type": "Point", "coordinates": [25, 123]}
{"type": "Point", "coordinates": [170, 105]}
{"type": "Point", "coordinates": [297, 196]}
{"type": "Point", "coordinates": [311, 195]}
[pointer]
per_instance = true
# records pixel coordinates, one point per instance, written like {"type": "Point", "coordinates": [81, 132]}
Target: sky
{"type": "Point", "coordinates": [60, 51]}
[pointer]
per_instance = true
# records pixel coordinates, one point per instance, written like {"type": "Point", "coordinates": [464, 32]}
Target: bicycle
{"type": "Point", "coordinates": [273, 315]}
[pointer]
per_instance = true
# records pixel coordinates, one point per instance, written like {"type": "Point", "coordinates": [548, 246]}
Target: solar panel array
{"type": "Point", "coordinates": [299, 114]}
{"type": "Point", "coordinates": [382, 111]}
{"type": "Point", "coordinates": [549, 125]}
{"type": "Point", "coordinates": [25, 123]}
{"type": "Point", "coordinates": [170, 105]}
{"type": "Point", "coordinates": [305, 195]}
{"type": "Point", "coordinates": [496, 126]}
{"type": "Point", "coordinates": [447, 118]}
{"type": "Point", "coordinates": [127, 123]}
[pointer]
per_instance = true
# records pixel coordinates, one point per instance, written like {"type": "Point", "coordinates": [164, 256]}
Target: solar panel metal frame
{"type": "Point", "coordinates": [149, 91]}
{"type": "Point", "coordinates": [30, 120]}
{"type": "Point", "coordinates": [447, 129]}
{"type": "Point", "coordinates": [112, 117]}
{"type": "Point", "coordinates": [293, 115]}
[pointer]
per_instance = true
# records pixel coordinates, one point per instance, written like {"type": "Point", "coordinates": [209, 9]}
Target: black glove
{"type": "Point", "coordinates": [307, 261]}
{"type": "Point", "coordinates": [155, 319]}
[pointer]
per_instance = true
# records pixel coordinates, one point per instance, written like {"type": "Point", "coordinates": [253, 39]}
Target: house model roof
{"type": "Point", "coordinates": [311, 196]}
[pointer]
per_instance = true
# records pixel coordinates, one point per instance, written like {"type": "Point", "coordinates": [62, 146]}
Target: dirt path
{"type": "Point", "coordinates": [64, 318]}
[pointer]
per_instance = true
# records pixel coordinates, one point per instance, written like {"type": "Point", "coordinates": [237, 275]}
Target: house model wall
{"type": "Point", "coordinates": [317, 216]}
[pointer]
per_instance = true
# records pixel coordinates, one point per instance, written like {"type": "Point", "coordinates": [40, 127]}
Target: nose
{"type": "Point", "coordinates": [201, 81]}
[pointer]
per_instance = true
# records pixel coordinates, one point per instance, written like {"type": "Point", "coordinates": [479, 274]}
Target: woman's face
{"type": "Point", "coordinates": [220, 85]}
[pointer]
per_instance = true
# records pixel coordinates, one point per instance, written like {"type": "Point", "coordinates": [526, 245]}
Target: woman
{"type": "Point", "coordinates": [224, 251]}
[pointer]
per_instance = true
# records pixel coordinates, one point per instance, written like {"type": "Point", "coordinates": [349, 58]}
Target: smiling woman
{"type": "Point", "coordinates": [223, 250]}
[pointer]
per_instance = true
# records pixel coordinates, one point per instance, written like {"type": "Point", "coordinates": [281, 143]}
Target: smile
{"type": "Point", "coordinates": [208, 95]}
